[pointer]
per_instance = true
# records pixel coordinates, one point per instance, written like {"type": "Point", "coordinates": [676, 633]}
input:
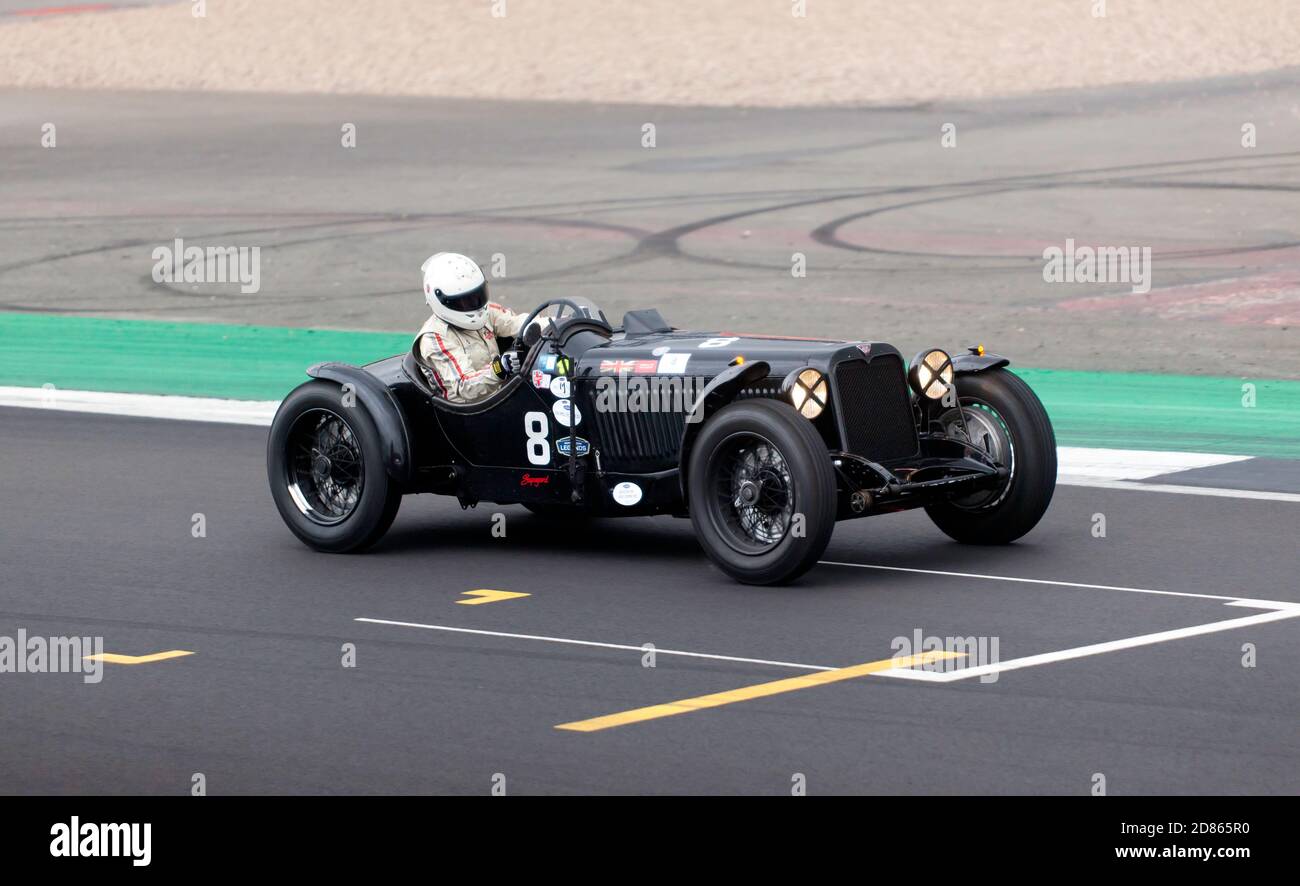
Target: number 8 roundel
{"type": "Point", "coordinates": [537, 428]}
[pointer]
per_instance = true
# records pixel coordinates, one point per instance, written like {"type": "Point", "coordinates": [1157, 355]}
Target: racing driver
{"type": "Point", "coordinates": [458, 344]}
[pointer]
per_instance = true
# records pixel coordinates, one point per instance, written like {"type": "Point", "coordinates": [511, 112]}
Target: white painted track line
{"type": "Point", "coordinates": [238, 412]}
{"type": "Point", "coordinates": [1258, 494]}
{"type": "Point", "coordinates": [1262, 604]}
{"type": "Point", "coordinates": [1077, 465]}
{"type": "Point", "coordinates": [1084, 463]}
{"type": "Point", "coordinates": [1030, 661]}
{"type": "Point", "coordinates": [625, 647]}
{"type": "Point", "coordinates": [1278, 611]}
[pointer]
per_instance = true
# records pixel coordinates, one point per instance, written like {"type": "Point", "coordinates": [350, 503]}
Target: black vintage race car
{"type": "Point", "coordinates": [764, 442]}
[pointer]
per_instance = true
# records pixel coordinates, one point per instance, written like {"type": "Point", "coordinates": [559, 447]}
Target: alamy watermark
{"type": "Point", "coordinates": [1102, 264]}
{"type": "Point", "coordinates": [650, 393]}
{"type": "Point", "coordinates": [78, 839]}
{"type": "Point", "coordinates": [179, 263]}
{"type": "Point", "coordinates": [966, 652]}
{"type": "Point", "coordinates": [24, 654]}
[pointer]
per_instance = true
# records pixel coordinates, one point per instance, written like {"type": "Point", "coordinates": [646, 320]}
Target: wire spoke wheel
{"type": "Point", "coordinates": [325, 464]}
{"type": "Point", "coordinates": [761, 491]}
{"type": "Point", "coordinates": [753, 492]}
{"type": "Point", "coordinates": [1003, 420]}
{"type": "Point", "coordinates": [986, 430]}
{"type": "Point", "coordinates": [324, 469]}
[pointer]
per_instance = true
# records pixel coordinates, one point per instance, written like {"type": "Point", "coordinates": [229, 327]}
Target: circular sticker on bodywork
{"type": "Point", "coordinates": [560, 386]}
{"type": "Point", "coordinates": [627, 494]}
{"type": "Point", "coordinates": [562, 410]}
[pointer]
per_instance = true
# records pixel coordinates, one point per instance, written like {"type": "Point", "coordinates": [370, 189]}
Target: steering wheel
{"type": "Point", "coordinates": [525, 345]}
{"type": "Point", "coordinates": [574, 308]}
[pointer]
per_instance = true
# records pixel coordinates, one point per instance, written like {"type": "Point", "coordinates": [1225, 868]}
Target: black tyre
{"type": "Point", "coordinates": [324, 462]}
{"type": "Point", "coordinates": [761, 492]}
{"type": "Point", "coordinates": [1006, 420]}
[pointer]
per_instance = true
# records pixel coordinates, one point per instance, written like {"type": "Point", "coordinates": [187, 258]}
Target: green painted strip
{"type": "Point", "coordinates": [1118, 410]}
{"type": "Point", "coordinates": [1105, 409]}
{"type": "Point", "coordinates": [194, 359]}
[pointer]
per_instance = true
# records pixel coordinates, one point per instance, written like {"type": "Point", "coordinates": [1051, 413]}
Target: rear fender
{"type": "Point", "coordinates": [378, 401]}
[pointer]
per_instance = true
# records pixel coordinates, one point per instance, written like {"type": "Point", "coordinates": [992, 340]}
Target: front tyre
{"type": "Point", "coordinates": [324, 462]}
{"type": "Point", "coordinates": [1005, 419]}
{"type": "Point", "coordinates": [762, 492]}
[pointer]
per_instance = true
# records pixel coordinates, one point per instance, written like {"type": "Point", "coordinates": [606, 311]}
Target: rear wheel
{"type": "Point", "coordinates": [324, 464]}
{"type": "Point", "coordinates": [761, 492]}
{"type": "Point", "coordinates": [1004, 419]}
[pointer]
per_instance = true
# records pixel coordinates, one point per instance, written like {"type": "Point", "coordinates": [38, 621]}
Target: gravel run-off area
{"type": "Point", "coordinates": [772, 53]}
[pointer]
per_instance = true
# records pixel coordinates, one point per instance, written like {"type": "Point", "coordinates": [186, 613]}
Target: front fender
{"type": "Point", "coordinates": [716, 394]}
{"type": "Point", "coordinates": [969, 364]}
{"type": "Point", "coordinates": [383, 409]}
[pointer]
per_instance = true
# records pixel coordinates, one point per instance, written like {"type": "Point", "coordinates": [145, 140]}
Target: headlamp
{"type": "Point", "coordinates": [808, 390]}
{"type": "Point", "coordinates": [931, 374]}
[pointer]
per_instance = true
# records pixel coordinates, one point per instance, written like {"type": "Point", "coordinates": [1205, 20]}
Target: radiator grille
{"type": "Point", "coordinates": [877, 412]}
{"type": "Point", "coordinates": [639, 442]}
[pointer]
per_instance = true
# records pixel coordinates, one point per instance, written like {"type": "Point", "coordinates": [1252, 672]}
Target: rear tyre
{"type": "Point", "coordinates": [761, 492]}
{"type": "Point", "coordinates": [1005, 419]}
{"type": "Point", "coordinates": [324, 462]}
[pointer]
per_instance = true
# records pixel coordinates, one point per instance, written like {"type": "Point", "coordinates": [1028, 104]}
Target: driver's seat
{"type": "Point", "coordinates": [415, 370]}
{"type": "Point", "coordinates": [419, 374]}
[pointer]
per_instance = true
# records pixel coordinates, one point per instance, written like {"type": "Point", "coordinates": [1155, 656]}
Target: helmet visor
{"type": "Point", "coordinates": [474, 300]}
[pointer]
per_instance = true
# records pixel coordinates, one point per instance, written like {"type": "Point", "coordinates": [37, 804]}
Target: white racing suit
{"type": "Point", "coordinates": [459, 361]}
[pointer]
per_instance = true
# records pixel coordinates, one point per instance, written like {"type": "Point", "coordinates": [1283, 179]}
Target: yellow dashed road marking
{"type": "Point", "coordinates": [760, 690]}
{"type": "Point", "coordinates": [114, 658]}
{"type": "Point", "coordinates": [486, 596]}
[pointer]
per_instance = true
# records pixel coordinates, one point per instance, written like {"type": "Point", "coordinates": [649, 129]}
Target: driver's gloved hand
{"type": "Point", "coordinates": [506, 365]}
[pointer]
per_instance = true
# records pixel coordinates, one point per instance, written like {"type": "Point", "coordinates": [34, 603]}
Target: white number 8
{"type": "Point", "coordinates": [537, 427]}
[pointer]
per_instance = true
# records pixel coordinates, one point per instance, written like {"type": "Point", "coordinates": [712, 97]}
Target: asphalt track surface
{"type": "Point", "coordinates": [905, 240]}
{"type": "Point", "coordinates": [96, 540]}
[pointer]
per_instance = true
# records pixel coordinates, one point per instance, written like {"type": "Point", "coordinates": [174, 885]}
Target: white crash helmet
{"type": "Point", "coordinates": [455, 289]}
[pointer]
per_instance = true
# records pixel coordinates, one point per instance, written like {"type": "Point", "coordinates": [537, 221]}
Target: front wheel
{"type": "Point", "coordinates": [324, 461]}
{"type": "Point", "coordinates": [1004, 419]}
{"type": "Point", "coordinates": [761, 492]}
